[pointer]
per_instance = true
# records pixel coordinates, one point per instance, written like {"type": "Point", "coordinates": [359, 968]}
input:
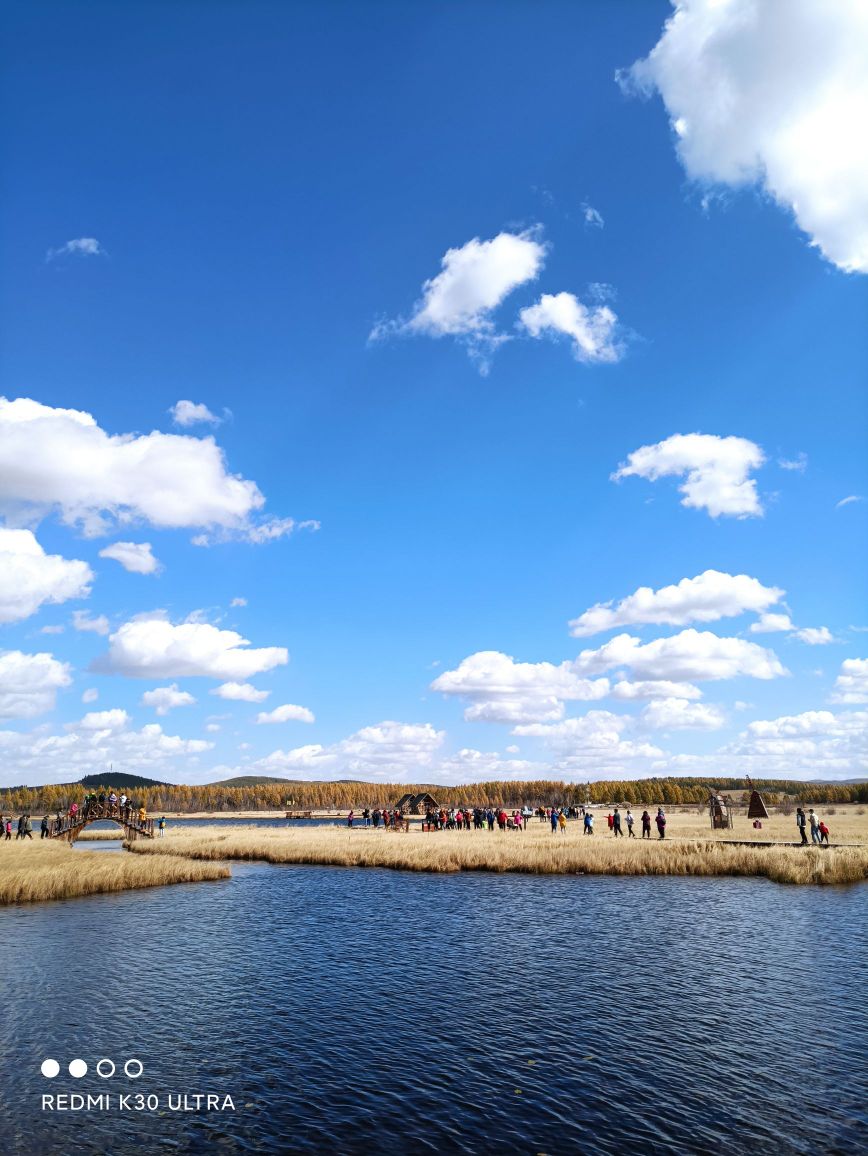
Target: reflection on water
{"type": "Point", "coordinates": [366, 1011]}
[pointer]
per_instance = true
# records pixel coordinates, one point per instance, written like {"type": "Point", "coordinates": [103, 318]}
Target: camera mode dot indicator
{"type": "Point", "coordinates": [50, 1068]}
{"type": "Point", "coordinates": [77, 1069]}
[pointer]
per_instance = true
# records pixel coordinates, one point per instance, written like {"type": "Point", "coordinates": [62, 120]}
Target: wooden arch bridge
{"type": "Point", "coordinates": [70, 826]}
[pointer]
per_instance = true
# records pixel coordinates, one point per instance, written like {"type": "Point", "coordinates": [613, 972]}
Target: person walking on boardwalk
{"type": "Point", "coordinates": [801, 823]}
{"type": "Point", "coordinates": [824, 833]}
{"type": "Point", "coordinates": [43, 827]}
{"type": "Point", "coordinates": [562, 822]}
{"type": "Point", "coordinates": [9, 828]}
{"type": "Point", "coordinates": [27, 832]}
{"type": "Point", "coordinates": [646, 824]}
{"type": "Point", "coordinates": [815, 826]}
{"type": "Point", "coordinates": [661, 822]}
{"type": "Point", "coordinates": [630, 820]}
{"type": "Point", "coordinates": [554, 820]}
{"type": "Point", "coordinates": [610, 819]}
{"type": "Point", "coordinates": [161, 826]}
{"type": "Point", "coordinates": [350, 818]}
{"type": "Point", "coordinates": [616, 823]}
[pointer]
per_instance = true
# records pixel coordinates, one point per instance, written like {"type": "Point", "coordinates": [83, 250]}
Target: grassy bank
{"type": "Point", "coordinates": [32, 872]}
{"type": "Point", "coordinates": [535, 851]}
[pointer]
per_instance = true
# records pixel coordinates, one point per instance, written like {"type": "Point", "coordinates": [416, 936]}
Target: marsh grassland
{"type": "Point", "coordinates": [31, 872]}
{"type": "Point", "coordinates": [535, 851]}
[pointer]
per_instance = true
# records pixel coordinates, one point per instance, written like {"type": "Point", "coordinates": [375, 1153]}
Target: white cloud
{"type": "Point", "coordinates": [212, 727]}
{"type": "Point", "coordinates": [814, 635]}
{"type": "Point", "coordinates": [286, 713]}
{"type": "Point", "coordinates": [81, 620]}
{"type": "Point", "coordinates": [240, 692]}
{"type": "Point", "coordinates": [166, 698]}
{"type": "Point", "coordinates": [771, 624]}
{"type": "Point", "coordinates": [79, 247]}
{"type": "Point", "coordinates": [55, 628]}
{"type": "Point", "coordinates": [137, 557]}
{"type": "Point", "coordinates": [797, 465]}
{"type": "Point", "coordinates": [676, 714]}
{"type": "Point", "coordinates": [474, 280]}
{"type": "Point", "coordinates": [156, 648]}
{"type": "Point", "coordinates": [388, 750]}
{"type": "Point", "coordinates": [90, 695]}
{"type": "Point", "coordinates": [692, 656]}
{"type": "Point", "coordinates": [851, 684]}
{"type": "Point", "coordinates": [660, 688]}
{"type": "Point", "coordinates": [95, 742]}
{"type": "Point", "coordinates": [101, 720]}
{"type": "Point", "coordinates": [593, 746]}
{"type": "Point", "coordinates": [187, 413]}
{"type": "Point", "coordinates": [29, 577]}
{"type": "Point", "coordinates": [775, 95]}
{"type": "Point", "coordinates": [503, 690]}
{"type": "Point", "coordinates": [705, 598]}
{"type": "Point", "coordinates": [848, 501]}
{"type": "Point", "coordinates": [592, 216]}
{"type": "Point", "coordinates": [716, 470]}
{"type": "Point", "coordinates": [60, 460]}
{"type": "Point", "coordinates": [238, 602]}
{"type": "Point", "coordinates": [29, 683]}
{"type": "Point", "coordinates": [592, 328]}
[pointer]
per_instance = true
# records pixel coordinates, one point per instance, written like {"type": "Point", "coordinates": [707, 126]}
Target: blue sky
{"type": "Point", "coordinates": [248, 207]}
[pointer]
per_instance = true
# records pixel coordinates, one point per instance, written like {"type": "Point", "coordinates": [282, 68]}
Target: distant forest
{"type": "Point", "coordinates": [257, 796]}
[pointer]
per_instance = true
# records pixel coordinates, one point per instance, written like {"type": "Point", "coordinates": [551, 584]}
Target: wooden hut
{"type": "Point", "coordinates": [417, 804]}
{"type": "Point", "coordinates": [720, 811]}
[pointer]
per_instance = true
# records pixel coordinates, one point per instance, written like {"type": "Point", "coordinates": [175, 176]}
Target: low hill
{"type": "Point", "coordinates": [118, 779]}
{"type": "Point", "coordinates": [251, 781]}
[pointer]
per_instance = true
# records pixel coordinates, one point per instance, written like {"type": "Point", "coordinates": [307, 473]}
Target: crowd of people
{"type": "Point", "coordinates": [491, 818]}
{"type": "Point", "coordinates": [619, 824]}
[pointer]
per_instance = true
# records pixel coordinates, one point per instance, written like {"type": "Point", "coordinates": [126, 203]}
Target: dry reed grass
{"type": "Point", "coordinates": [33, 872]}
{"type": "Point", "coordinates": [536, 851]}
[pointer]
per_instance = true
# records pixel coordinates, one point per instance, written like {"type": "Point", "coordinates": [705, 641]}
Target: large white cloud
{"type": "Point", "coordinates": [60, 460]}
{"type": "Point", "coordinates": [676, 714]}
{"type": "Point", "coordinates": [29, 577]}
{"type": "Point", "coordinates": [391, 750]}
{"type": "Point", "coordinates": [593, 745]}
{"type": "Point", "coordinates": [474, 280]}
{"type": "Point", "coordinates": [659, 688]}
{"type": "Point", "coordinates": [691, 656]}
{"type": "Point", "coordinates": [851, 684]}
{"type": "Point", "coordinates": [716, 471]}
{"type": "Point", "coordinates": [705, 598]}
{"type": "Point", "coordinates": [97, 741]}
{"type": "Point", "coordinates": [774, 93]}
{"type": "Point", "coordinates": [157, 648]}
{"type": "Point", "coordinates": [137, 557]}
{"type": "Point", "coordinates": [503, 690]}
{"type": "Point", "coordinates": [166, 698]}
{"type": "Point", "coordinates": [29, 683]}
{"type": "Point", "coordinates": [592, 329]}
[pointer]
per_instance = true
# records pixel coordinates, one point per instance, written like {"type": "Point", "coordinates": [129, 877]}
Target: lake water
{"type": "Point", "coordinates": [363, 1011]}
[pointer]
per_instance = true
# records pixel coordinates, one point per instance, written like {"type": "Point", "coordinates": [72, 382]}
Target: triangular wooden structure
{"type": "Point", "coordinates": [756, 808]}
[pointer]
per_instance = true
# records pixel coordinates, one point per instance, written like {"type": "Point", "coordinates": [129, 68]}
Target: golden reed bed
{"type": "Point", "coordinates": [34, 871]}
{"type": "Point", "coordinates": [536, 851]}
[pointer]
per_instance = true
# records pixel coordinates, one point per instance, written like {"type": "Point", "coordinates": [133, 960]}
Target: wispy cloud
{"type": "Point", "coordinates": [848, 501]}
{"type": "Point", "coordinates": [78, 247]}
